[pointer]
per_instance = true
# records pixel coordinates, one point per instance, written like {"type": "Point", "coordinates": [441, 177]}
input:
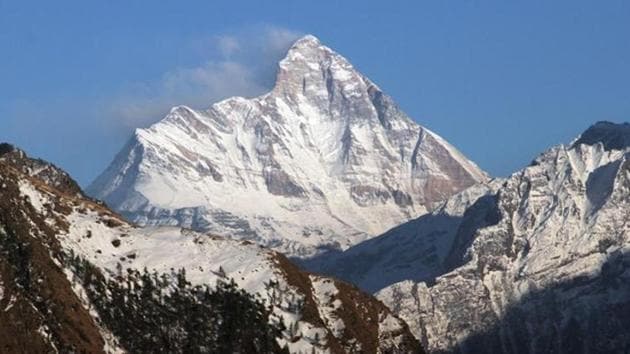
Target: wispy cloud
{"type": "Point", "coordinates": [228, 45]}
{"type": "Point", "coordinates": [91, 129]}
{"type": "Point", "coordinates": [241, 64]}
{"type": "Point", "coordinates": [197, 87]}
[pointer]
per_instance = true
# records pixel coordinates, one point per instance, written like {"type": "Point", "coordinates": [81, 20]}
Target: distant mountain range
{"type": "Point", "coordinates": [326, 172]}
{"type": "Point", "coordinates": [324, 164]}
{"type": "Point", "coordinates": [537, 262]}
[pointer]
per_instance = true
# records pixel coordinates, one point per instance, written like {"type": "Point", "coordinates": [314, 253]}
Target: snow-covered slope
{"type": "Point", "coordinates": [416, 250]}
{"type": "Point", "coordinates": [321, 314]}
{"type": "Point", "coordinates": [323, 161]}
{"type": "Point", "coordinates": [535, 263]}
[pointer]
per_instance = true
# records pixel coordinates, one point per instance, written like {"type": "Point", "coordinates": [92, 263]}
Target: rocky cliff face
{"type": "Point", "coordinates": [534, 263]}
{"type": "Point", "coordinates": [49, 306]}
{"type": "Point", "coordinates": [323, 161]}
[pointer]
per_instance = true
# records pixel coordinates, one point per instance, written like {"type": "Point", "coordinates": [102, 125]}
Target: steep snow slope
{"type": "Point", "coordinates": [323, 161]}
{"type": "Point", "coordinates": [538, 264]}
{"type": "Point", "coordinates": [321, 314]}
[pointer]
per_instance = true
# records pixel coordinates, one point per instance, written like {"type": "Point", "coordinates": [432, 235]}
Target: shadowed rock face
{"type": "Point", "coordinates": [324, 150]}
{"type": "Point", "coordinates": [581, 315]}
{"type": "Point", "coordinates": [612, 136]}
{"type": "Point", "coordinates": [279, 183]}
{"type": "Point", "coordinates": [419, 250]}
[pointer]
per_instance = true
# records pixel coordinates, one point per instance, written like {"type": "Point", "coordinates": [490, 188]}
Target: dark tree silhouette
{"type": "Point", "coordinates": [149, 312]}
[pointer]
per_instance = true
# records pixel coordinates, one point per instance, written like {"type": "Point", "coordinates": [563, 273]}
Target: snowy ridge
{"type": "Point", "coordinates": [39, 310]}
{"type": "Point", "coordinates": [91, 231]}
{"type": "Point", "coordinates": [323, 161]}
{"type": "Point", "coordinates": [206, 260]}
{"type": "Point", "coordinates": [40, 169]}
{"type": "Point", "coordinates": [417, 250]}
{"type": "Point", "coordinates": [537, 262]}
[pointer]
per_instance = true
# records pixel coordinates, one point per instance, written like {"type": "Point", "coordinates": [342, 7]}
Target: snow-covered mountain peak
{"type": "Point", "coordinates": [312, 73]}
{"type": "Point", "coordinates": [307, 49]}
{"type": "Point", "coordinates": [307, 39]}
{"type": "Point", "coordinates": [66, 259]}
{"type": "Point", "coordinates": [323, 160]}
{"type": "Point", "coordinates": [306, 46]}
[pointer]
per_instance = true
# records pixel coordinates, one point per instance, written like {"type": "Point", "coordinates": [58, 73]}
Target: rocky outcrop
{"type": "Point", "coordinates": [40, 169]}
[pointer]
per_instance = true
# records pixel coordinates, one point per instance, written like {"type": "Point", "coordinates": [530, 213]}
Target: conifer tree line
{"type": "Point", "coordinates": [150, 312]}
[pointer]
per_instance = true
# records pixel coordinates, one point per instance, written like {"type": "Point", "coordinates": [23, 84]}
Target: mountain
{"type": "Point", "coordinates": [416, 250]}
{"type": "Point", "coordinates": [39, 169]}
{"type": "Point", "coordinates": [321, 162]}
{"type": "Point", "coordinates": [76, 277]}
{"type": "Point", "coordinates": [537, 262]}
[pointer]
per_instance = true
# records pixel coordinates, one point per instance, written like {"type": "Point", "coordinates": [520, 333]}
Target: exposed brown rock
{"type": "Point", "coordinates": [360, 313]}
{"type": "Point", "coordinates": [37, 296]}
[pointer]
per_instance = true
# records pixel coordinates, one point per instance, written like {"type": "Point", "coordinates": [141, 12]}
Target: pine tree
{"type": "Point", "coordinates": [148, 311]}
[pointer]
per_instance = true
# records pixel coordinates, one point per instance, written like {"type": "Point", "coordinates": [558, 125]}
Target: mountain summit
{"type": "Point", "coordinates": [323, 161]}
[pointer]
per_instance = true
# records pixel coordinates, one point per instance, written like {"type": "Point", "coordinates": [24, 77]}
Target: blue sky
{"type": "Point", "coordinates": [500, 80]}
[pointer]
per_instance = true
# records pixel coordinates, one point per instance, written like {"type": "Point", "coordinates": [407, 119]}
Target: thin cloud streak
{"type": "Point", "coordinates": [91, 130]}
{"type": "Point", "coordinates": [244, 66]}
